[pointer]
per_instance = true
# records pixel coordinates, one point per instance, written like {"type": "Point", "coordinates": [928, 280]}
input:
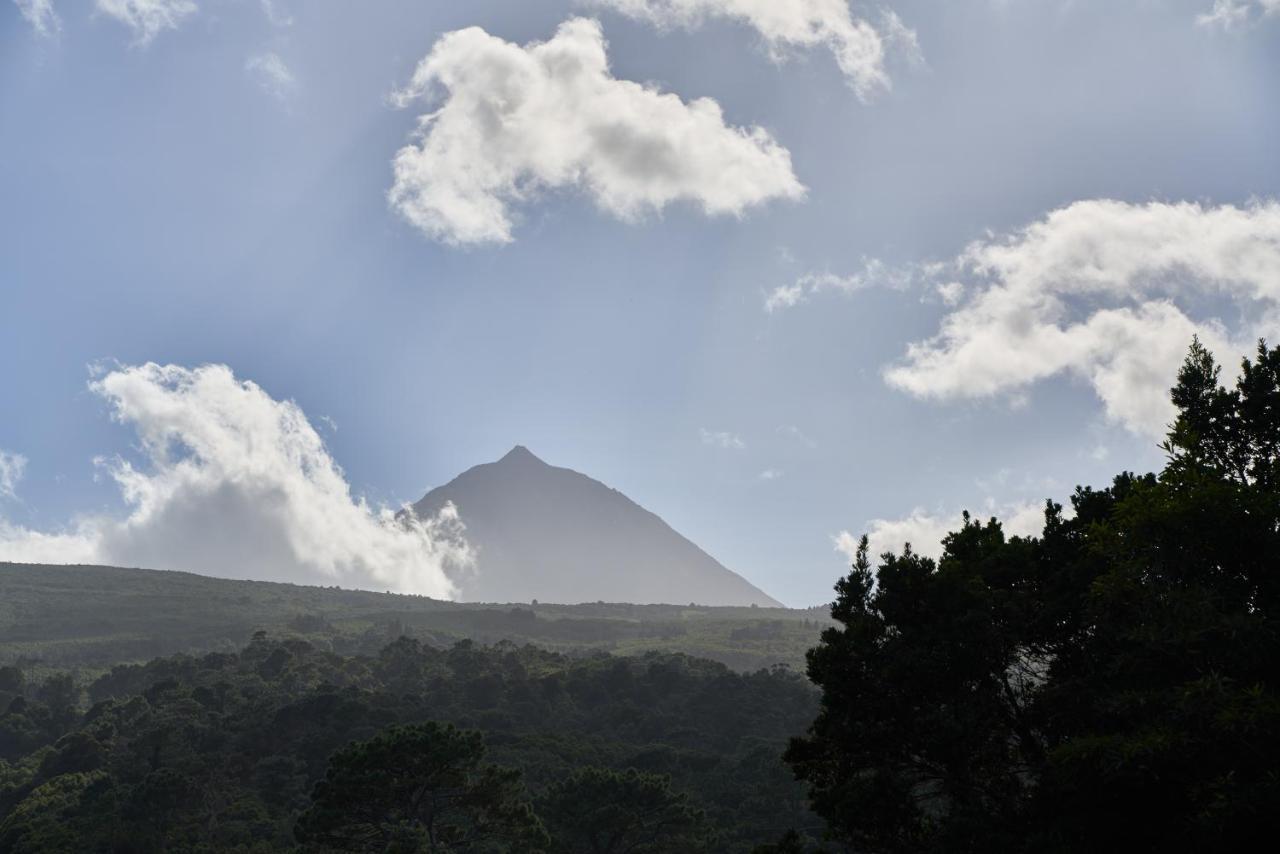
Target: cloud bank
{"type": "Point", "coordinates": [860, 47]}
{"type": "Point", "coordinates": [239, 484]}
{"type": "Point", "coordinates": [147, 18]}
{"type": "Point", "coordinates": [41, 15]}
{"type": "Point", "coordinates": [513, 122]}
{"type": "Point", "coordinates": [1093, 290]}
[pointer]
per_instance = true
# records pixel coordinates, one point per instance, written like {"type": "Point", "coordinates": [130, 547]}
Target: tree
{"type": "Point", "coordinates": [1111, 685]}
{"type": "Point", "coordinates": [420, 788]}
{"type": "Point", "coordinates": [599, 811]}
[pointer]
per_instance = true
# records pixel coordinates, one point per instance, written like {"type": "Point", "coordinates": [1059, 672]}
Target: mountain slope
{"type": "Point", "coordinates": [549, 533]}
{"type": "Point", "coordinates": [94, 617]}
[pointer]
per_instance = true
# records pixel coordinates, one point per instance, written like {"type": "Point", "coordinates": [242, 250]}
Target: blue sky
{"type": "Point", "coordinates": [215, 191]}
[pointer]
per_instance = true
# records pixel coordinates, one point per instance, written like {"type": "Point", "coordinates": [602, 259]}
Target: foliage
{"type": "Point", "coordinates": [223, 752]}
{"type": "Point", "coordinates": [419, 788]}
{"type": "Point", "coordinates": [600, 811]}
{"type": "Point", "coordinates": [1111, 685]}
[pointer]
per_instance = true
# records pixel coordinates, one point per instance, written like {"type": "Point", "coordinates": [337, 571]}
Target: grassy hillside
{"type": "Point", "coordinates": [91, 617]}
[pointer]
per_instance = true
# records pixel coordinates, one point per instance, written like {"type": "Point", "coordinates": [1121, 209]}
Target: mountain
{"type": "Point", "coordinates": [549, 533]}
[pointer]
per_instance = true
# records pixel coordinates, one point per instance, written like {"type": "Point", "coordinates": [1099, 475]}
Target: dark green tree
{"type": "Point", "coordinates": [1111, 685]}
{"type": "Point", "coordinates": [599, 811]}
{"type": "Point", "coordinates": [789, 843]}
{"type": "Point", "coordinates": [13, 683]}
{"type": "Point", "coordinates": [420, 788]}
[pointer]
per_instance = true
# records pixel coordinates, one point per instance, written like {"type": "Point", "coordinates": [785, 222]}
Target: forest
{"type": "Point", "coordinates": [1109, 685]}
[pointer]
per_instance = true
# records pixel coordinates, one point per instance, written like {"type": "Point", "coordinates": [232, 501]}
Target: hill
{"type": "Point", "coordinates": [92, 617]}
{"type": "Point", "coordinates": [550, 533]}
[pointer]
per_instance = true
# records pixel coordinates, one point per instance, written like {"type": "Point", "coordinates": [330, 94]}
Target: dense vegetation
{"type": "Point", "coordinates": [223, 752]}
{"type": "Point", "coordinates": [92, 617]}
{"type": "Point", "coordinates": [1113, 685]}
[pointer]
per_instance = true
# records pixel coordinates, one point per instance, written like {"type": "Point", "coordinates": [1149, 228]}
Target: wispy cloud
{"type": "Point", "coordinates": [860, 46]}
{"type": "Point", "coordinates": [874, 273]}
{"type": "Point", "coordinates": [238, 483]}
{"type": "Point", "coordinates": [41, 15]}
{"type": "Point", "coordinates": [272, 74]}
{"type": "Point", "coordinates": [512, 121]}
{"type": "Point", "coordinates": [1238, 14]}
{"type": "Point", "coordinates": [277, 14]}
{"type": "Point", "coordinates": [795, 434]}
{"type": "Point", "coordinates": [722, 439]}
{"type": "Point", "coordinates": [12, 467]}
{"type": "Point", "coordinates": [148, 18]}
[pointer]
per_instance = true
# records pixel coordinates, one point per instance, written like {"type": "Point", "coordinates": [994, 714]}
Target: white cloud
{"type": "Point", "coordinates": [789, 296]}
{"type": "Point", "coordinates": [860, 47]}
{"type": "Point", "coordinates": [925, 531]}
{"type": "Point", "coordinates": [951, 292]}
{"type": "Point", "coordinates": [1091, 290]}
{"type": "Point", "coordinates": [1237, 14]}
{"type": "Point", "coordinates": [11, 468]}
{"type": "Point", "coordinates": [41, 15]}
{"type": "Point", "coordinates": [770, 474]}
{"type": "Point", "coordinates": [513, 122]}
{"type": "Point", "coordinates": [22, 545]}
{"type": "Point", "coordinates": [874, 273]}
{"type": "Point", "coordinates": [272, 74]}
{"type": "Point", "coordinates": [237, 483]}
{"type": "Point", "coordinates": [722, 439]}
{"type": "Point", "coordinates": [147, 18]}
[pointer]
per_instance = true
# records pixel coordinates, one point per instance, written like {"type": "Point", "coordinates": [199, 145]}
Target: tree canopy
{"type": "Point", "coordinates": [281, 741]}
{"type": "Point", "coordinates": [600, 811]}
{"type": "Point", "coordinates": [423, 788]}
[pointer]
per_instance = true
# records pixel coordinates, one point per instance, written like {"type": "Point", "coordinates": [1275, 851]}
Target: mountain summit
{"type": "Point", "coordinates": [550, 533]}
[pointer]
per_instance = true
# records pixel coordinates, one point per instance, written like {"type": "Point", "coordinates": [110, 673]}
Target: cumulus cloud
{"type": "Point", "coordinates": [722, 439]}
{"type": "Point", "coordinates": [236, 483]}
{"type": "Point", "coordinates": [1237, 14]}
{"type": "Point", "coordinates": [41, 15]}
{"type": "Point", "coordinates": [925, 530]}
{"type": "Point", "coordinates": [770, 474]}
{"type": "Point", "coordinates": [272, 74]}
{"type": "Point", "coordinates": [11, 468]}
{"type": "Point", "coordinates": [860, 47]}
{"type": "Point", "coordinates": [1094, 290]}
{"type": "Point", "coordinates": [511, 122]}
{"type": "Point", "coordinates": [147, 18]}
